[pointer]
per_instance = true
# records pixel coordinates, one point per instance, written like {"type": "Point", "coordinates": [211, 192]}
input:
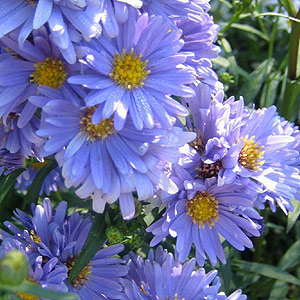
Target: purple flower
{"type": "Point", "coordinates": [137, 73]}
{"type": "Point", "coordinates": [10, 162]}
{"type": "Point", "coordinates": [162, 277]}
{"type": "Point", "coordinates": [48, 274]}
{"type": "Point", "coordinates": [109, 163]}
{"type": "Point", "coordinates": [60, 238]}
{"type": "Point", "coordinates": [199, 34]}
{"type": "Point", "coordinates": [66, 19]}
{"type": "Point", "coordinates": [200, 212]}
{"type": "Point", "coordinates": [21, 73]}
{"type": "Point", "coordinates": [20, 140]}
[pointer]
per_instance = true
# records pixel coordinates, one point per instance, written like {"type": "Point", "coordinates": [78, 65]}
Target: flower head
{"type": "Point", "coordinates": [24, 70]}
{"type": "Point", "coordinates": [162, 277]}
{"type": "Point", "coordinates": [137, 73]}
{"type": "Point", "coordinates": [200, 212]}
{"type": "Point", "coordinates": [108, 162]}
{"type": "Point", "coordinates": [64, 18]}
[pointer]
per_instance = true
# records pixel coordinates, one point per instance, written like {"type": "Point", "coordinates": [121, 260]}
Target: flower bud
{"type": "Point", "coordinates": [114, 235]}
{"type": "Point", "coordinates": [14, 268]}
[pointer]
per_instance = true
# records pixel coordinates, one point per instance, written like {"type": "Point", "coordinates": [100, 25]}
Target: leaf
{"type": "Point", "coordinates": [34, 189]}
{"type": "Point", "coordinates": [293, 216]}
{"type": "Point", "coordinates": [271, 86]}
{"type": "Point", "coordinates": [266, 270]}
{"type": "Point", "coordinates": [95, 240]}
{"type": "Point", "coordinates": [250, 29]}
{"type": "Point", "coordinates": [291, 257]}
{"type": "Point", "coordinates": [33, 289]}
{"type": "Point", "coordinates": [7, 182]}
{"type": "Point", "coordinates": [252, 86]}
{"type": "Point", "coordinates": [279, 290]}
{"type": "Point", "coordinates": [274, 14]}
{"type": "Point", "coordinates": [75, 201]}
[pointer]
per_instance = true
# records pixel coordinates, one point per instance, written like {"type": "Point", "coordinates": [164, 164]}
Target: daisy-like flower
{"type": "Point", "coordinates": [262, 152]}
{"type": "Point", "coordinates": [52, 182]}
{"type": "Point", "coordinates": [55, 236]}
{"type": "Point", "coordinates": [137, 73]}
{"type": "Point", "coordinates": [66, 20]}
{"type": "Point", "coordinates": [162, 277]}
{"type": "Point", "coordinates": [20, 140]}
{"type": "Point", "coordinates": [199, 34]}
{"type": "Point", "coordinates": [109, 163]}
{"type": "Point", "coordinates": [10, 162]}
{"type": "Point", "coordinates": [200, 212]}
{"type": "Point", "coordinates": [50, 274]}
{"type": "Point", "coordinates": [24, 70]}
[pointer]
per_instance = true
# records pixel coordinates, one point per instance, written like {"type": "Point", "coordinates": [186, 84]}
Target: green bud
{"type": "Point", "coordinates": [14, 268]}
{"type": "Point", "coordinates": [226, 78]}
{"type": "Point", "coordinates": [114, 235]}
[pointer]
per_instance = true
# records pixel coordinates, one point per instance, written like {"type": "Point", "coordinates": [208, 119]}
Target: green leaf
{"type": "Point", "coordinates": [75, 201]}
{"type": "Point", "coordinates": [7, 182]}
{"type": "Point", "coordinates": [266, 270]}
{"type": "Point", "coordinates": [291, 257]}
{"type": "Point", "coordinates": [252, 86]}
{"type": "Point", "coordinates": [94, 241]}
{"type": "Point", "coordinates": [34, 189]}
{"type": "Point", "coordinates": [279, 290]}
{"type": "Point", "coordinates": [269, 92]}
{"type": "Point", "coordinates": [293, 216]}
{"type": "Point", "coordinates": [33, 289]}
{"type": "Point", "coordinates": [274, 14]}
{"type": "Point", "coordinates": [250, 29]}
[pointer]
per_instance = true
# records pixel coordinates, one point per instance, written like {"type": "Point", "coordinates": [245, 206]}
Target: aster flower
{"type": "Point", "coordinates": [10, 162]}
{"type": "Point", "coordinates": [92, 155]}
{"type": "Point", "coordinates": [20, 140]}
{"type": "Point", "coordinates": [199, 34]}
{"type": "Point", "coordinates": [200, 212]}
{"type": "Point", "coordinates": [64, 18]}
{"type": "Point", "coordinates": [55, 236]}
{"type": "Point", "coordinates": [260, 152]}
{"type": "Point", "coordinates": [24, 70]}
{"type": "Point", "coordinates": [137, 73]}
{"type": "Point", "coordinates": [52, 182]}
{"type": "Point", "coordinates": [162, 277]}
{"type": "Point", "coordinates": [48, 274]}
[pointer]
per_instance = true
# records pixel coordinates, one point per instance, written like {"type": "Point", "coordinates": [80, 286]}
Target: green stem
{"type": "Point", "coordinates": [232, 20]}
{"type": "Point", "coordinates": [58, 196]}
{"type": "Point", "coordinates": [289, 6]}
{"type": "Point", "coordinates": [292, 87]}
{"type": "Point", "coordinates": [270, 55]}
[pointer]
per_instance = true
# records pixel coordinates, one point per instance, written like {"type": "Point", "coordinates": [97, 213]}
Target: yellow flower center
{"type": "Point", "coordinates": [50, 72]}
{"type": "Point", "coordinates": [82, 277]}
{"type": "Point", "coordinates": [202, 209]}
{"type": "Point", "coordinates": [34, 237]}
{"type": "Point", "coordinates": [251, 155]}
{"type": "Point", "coordinates": [27, 296]}
{"type": "Point", "coordinates": [96, 131]}
{"type": "Point", "coordinates": [129, 71]}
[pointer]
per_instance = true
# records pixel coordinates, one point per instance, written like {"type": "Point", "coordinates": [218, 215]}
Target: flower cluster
{"type": "Point", "coordinates": [122, 95]}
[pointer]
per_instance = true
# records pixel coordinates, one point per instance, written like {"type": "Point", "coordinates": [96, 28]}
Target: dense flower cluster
{"type": "Point", "coordinates": [122, 94]}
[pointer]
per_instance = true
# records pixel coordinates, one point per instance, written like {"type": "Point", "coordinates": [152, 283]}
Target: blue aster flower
{"type": "Point", "coordinates": [262, 153]}
{"type": "Point", "coordinates": [202, 211]}
{"type": "Point", "coordinates": [162, 277]}
{"type": "Point", "coordinates": [52, 182]}
{"type": "Point", "coordinates": [49, 274]}
{"type": "Point", "coordinates": [66, 20]}
{"type": "Point", "coordinates": [56, 236]}
{"type": "Point", "coordinates": [109, 163]}
{"type": "Point", "coordinates": [137, 73]}
{"type": "Point", "coordinates": [10, 162]}
{"type": "Point", "coordinates": [20, 140]}
{"type": "Point", "coordinates": [199, 34]}
{"type": "Point", "coordinates": [24, 70]}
